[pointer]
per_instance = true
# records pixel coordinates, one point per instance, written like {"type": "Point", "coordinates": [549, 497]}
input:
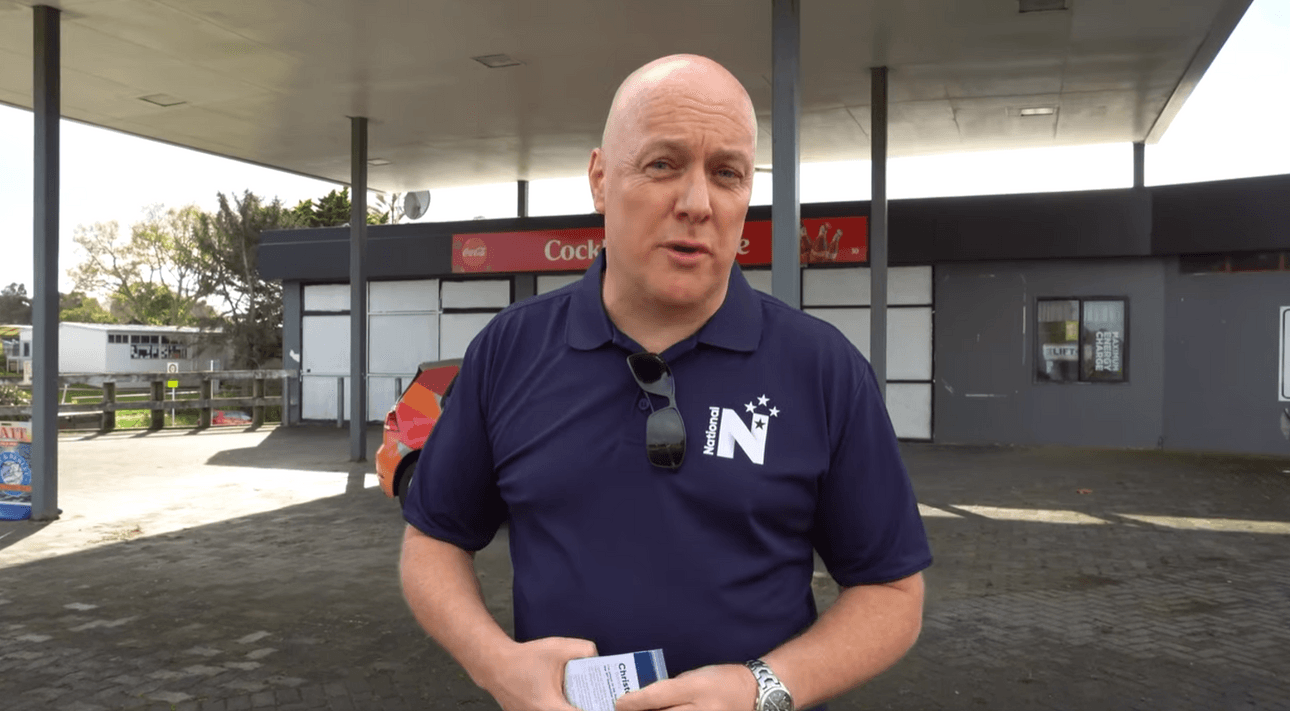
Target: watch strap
{"type": "Point", "coordinates": [766, 682]}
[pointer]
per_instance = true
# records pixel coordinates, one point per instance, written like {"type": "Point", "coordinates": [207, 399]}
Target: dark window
{"type": "Point", "coordinates": [1082, 340]}
{"type": "Point", "coordinates": [134, 339]}
{"type": "Point", "coordinates": [1234, 262]}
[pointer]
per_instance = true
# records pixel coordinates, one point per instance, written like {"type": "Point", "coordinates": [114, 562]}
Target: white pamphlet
{"type": "Point", "coordinates": [595, 683]}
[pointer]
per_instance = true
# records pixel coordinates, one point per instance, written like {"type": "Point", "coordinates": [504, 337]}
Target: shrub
{"type": "Point", "coordinates": [13, 396]}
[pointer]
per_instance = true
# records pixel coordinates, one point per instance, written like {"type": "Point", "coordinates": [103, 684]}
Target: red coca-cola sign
{"type": "Point", "coordinates": [820, 240]}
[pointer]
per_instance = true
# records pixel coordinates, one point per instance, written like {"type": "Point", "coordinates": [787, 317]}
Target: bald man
{"type": "Point", "coordinates": [669, 447]}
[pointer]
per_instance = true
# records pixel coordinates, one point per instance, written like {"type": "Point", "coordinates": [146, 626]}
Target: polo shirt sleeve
{"type": "Point", "coordinates": [867, 528]}
{"type": "Point", "coordinates": [453, 495]}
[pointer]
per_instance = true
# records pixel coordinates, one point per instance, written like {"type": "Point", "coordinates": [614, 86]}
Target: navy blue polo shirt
{"type": "Point", "coordinates": [789, 447]}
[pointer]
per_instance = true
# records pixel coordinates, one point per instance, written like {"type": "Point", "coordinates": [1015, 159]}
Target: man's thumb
{"type": "Point", "coordinates": [573, 648]}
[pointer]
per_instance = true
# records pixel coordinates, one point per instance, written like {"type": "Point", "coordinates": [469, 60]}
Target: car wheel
{"type": "Point", "coordinates": [405, 477]}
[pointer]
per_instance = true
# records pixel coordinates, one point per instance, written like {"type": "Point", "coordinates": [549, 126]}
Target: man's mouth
{"type": "Point", "coordinates": [686, 247]}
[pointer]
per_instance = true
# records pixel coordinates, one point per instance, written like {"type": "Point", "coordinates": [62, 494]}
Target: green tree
{"type": "Point", "coordinates": [332, 210]}
{"type": "Point", "coordinates": [154, 276]}
{"type": "Point", "coordinates": [249, 307]}
{"type": "Point", "coordinates": [15, 305]}
{"type": "Point", "coordinates": [77, 307]}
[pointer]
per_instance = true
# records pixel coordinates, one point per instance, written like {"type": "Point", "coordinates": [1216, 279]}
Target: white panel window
{"type": "Point", "coordinates": [456, 332]}
{"type": "Point", "coordinates": [551, 282]}
{"type": "Point", "coordinates": [835, 287]}
{"type": "Point", "coordinates": [318, 398]}
{"type": "Point", "coordinates": [477, 294]}
{"type": "Point", "coordinates": [910, 407]}
{"type": "Point", "coordinates": [395, 296]}
{"type": "Point", "coordinates": [398, 343]}
{"type": "Point", "coordinates": [909, 286]}
{"type": "Point", "coordinates": [853, 323]}
{"type": "Point", "coordinates": [909, 344]}
{"type": "Point", "coordinates": [909, 338]}
{"type": "Point", "coordinates": [324, 358]}
{"type": "Point", "coordinates": [327, 297]}
{"type": "Point", "coordinates": [325, 344]}
{"type": "Point", "coordinates": [906, 286]}
{"type": "Point", "coordinates": [382, 393]}
{"type": "Point", "coordinates": [759, 280]}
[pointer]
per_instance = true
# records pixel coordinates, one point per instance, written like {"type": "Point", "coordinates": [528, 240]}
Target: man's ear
{"type": "Point", "coordinates": [596, 178]}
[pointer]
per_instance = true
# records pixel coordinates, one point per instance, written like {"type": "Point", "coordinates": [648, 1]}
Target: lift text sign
{"type": "Point", "coordinates": [836, 239]}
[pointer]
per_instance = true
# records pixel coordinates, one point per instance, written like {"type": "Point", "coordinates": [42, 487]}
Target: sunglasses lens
{"type": "Point", "coordinates": [647, 367]}
{"type": "Point", "coordinates": [665, 438]}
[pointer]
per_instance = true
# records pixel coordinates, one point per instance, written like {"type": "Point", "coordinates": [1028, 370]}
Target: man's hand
{"type": "Point", "coordinates": [530, 677]}
{"type": "Point", "coordinates": [723, 687]}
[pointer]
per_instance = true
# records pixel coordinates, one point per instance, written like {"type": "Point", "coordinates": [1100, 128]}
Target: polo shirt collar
{"type": "Point", "coordinates": [736, 326]}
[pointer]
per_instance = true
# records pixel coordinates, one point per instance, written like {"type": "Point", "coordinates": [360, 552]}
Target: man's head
{"type": "Point", "coordinates": [673, 176]}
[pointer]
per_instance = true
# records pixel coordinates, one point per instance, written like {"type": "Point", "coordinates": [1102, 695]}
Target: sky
{"type": "Point", "coordinates": [1232, 126]}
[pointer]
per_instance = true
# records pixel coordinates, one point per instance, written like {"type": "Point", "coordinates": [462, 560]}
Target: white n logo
{"type": "Point", "coordinates": [734, 431]}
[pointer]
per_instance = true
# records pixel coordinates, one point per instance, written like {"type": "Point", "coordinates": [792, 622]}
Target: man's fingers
{"type": "Point", "coordinates": [659, 695]}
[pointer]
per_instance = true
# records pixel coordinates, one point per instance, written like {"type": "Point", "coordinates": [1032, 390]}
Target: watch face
{"type": "Point", "coordinates": [778, 700]}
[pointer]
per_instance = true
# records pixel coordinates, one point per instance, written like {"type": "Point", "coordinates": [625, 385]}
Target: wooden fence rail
{"type": "Point", "coordinates": [155, 384]}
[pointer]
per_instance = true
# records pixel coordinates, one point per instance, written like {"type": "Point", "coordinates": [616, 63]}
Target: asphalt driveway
{"type": "Point", "coordinates": [238, 570]}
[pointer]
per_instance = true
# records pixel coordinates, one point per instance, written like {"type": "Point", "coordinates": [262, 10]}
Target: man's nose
{"type": "Point", "coordinates": [694, 203]}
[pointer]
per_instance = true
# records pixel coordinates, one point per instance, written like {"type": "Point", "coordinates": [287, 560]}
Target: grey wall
{"type": "Point", "coordinates": [1221, 376]}
{"type": "Point", "coordinates": [985, 356]}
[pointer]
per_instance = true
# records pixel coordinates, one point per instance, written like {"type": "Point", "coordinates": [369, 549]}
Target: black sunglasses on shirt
{"type": "Point", "coordinates": [664, 430]}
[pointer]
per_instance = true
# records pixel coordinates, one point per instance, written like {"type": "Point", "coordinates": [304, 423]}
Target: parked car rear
{"type": "Point", "coordinates": [408, 424]}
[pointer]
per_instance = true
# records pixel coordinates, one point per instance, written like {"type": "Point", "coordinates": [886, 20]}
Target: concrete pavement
{"type": "Point", "coordinates": [234, 570]}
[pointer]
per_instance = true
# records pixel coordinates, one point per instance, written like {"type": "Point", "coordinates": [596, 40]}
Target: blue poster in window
{"type": "Point", "coordinates": [15, 471]}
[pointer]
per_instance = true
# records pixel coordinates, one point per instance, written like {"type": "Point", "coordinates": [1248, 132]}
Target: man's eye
{"type": "Point", "coordinates": [660, 164]}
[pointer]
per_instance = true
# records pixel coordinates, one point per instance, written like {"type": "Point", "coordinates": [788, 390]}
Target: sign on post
{"type": "Point", "coordinates": [1283, 379]}
{"type": "Point", "coordinates": [15, 471]}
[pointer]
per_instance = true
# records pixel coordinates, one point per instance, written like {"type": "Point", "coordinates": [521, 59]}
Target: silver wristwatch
{"type": "Point", "coordinates": [771, 694]}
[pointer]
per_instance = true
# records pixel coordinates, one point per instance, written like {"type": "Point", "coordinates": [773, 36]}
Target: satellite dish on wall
{"type": "Point", "coordinates": [415, 204]}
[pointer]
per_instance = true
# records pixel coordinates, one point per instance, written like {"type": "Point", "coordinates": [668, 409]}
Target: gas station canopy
{"type": "Point", "coordinates": [273, 82]}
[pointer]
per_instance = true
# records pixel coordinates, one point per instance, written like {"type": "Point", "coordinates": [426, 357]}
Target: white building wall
{"type": "Point", "coordinates": [80, 349]}
{"type": "Point", "coordinates": [117, 359]}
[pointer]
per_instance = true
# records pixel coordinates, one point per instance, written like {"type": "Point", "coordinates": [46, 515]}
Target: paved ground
{"type": "Point", "coordinates": [257, 570]}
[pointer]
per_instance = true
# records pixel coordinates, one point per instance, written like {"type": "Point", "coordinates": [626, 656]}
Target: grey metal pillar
{"type": "Point", "coordinates": [521, 198]}
{"type": "Point", "coordinates": [292, 349]}
{"type": "Point", "coordinates": [46, 105]}
{"type": "Point", "coordinates": [1139, 164]}
{"type": "Point", "coordinates": [785, 211]}
{"type": "Point", "coordinates": [878, 229]}
{"type": "Point", "coordinates": [358, 290]}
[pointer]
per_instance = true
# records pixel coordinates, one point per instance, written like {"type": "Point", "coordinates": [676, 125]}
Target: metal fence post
{"type": "Point", "coordinates": [158, 397]}
{"type": "Point", "coordinates": [257, 409]}
{"type": "Point", "coordinates": [284, 419]}
{"type": "Point", "coordinates": [340, 402]}
{"type": "Point", "coordinates": [204, 394]}
{"type": "Point", "coordinates": [108, 422]}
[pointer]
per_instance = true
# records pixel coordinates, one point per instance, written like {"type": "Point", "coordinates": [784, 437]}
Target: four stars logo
{"type": "Point", "coordinates": [726, 429]}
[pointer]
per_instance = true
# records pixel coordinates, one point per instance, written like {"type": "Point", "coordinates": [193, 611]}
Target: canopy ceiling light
{"type": "Point", "coordinates": [497, 61]}
{"type": "Point", "coordinates": [162, 100]}
{"type": "Point", "coordinates": [1037, 111]}
{"type": "Point", "coordinates": [1040, 5]}
{"type": "Point", "coordinates": [378, 161]}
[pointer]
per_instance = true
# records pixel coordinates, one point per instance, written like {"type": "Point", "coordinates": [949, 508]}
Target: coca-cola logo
{"type": "Point", "coordinates": [474, 252]}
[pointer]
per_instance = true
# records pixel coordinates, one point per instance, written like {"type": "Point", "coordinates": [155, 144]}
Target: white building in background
{"type": "Point", "coordinates": [116, 348]}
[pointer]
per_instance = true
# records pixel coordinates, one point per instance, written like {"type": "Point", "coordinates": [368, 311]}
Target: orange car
{"type": "Point", "coordinates": [408, 425]}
